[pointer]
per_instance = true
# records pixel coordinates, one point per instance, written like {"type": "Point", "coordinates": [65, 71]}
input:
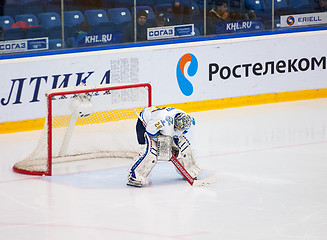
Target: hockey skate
{"type": "Point", "coordinates": [134, 183]}
{"type": "Point", "coordinates": [138, 181]}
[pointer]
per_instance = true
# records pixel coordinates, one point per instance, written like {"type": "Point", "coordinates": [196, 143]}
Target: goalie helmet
{"type": "Point", "coordinates": [182, 121]}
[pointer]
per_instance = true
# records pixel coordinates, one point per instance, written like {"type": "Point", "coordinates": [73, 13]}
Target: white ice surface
{"type": "Point", "coordinates": [270, 162]}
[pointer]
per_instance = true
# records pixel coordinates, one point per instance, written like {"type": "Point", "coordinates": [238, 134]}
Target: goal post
{"type": "Point", "coordinates": [87, 122]}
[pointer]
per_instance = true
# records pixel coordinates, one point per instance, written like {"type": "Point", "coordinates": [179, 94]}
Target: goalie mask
{"type": "Point", "coordinates": [182, 121]}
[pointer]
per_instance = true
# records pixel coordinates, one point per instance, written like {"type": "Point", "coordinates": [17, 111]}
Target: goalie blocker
{"type": "Point", "coordinates": [161, 133]}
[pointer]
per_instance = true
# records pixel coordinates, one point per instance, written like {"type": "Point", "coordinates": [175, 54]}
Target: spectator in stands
{"type": "Point", "coordinates": [160, 19]}
{"type": "Point", "coordinates": [141, 28]}
{"type": "Point", "coordinates": [217, 14]}
{"type": "Point", "coordinates": [182, 11]}
{"type": "Point", "coordinates": [321, 6]}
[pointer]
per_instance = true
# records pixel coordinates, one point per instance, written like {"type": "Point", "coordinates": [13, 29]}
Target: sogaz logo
{"type": "Point", "coordinates": [184, 84]}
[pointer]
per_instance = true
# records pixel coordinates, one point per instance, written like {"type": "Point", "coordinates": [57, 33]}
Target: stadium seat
{"type": "Point", "coordinates": [99, 21]}
{"type": "Point", "coordinates": [164, 2]}
{"type": "Point", "coordinates": [50, 20]}
{"type": "Point", "coordinates": [12, 9]}
{"type": "Point", "coordinates": [52, 23]}
{"type": "Point", "coordinates": [297, 3]}
{"type": "Point", "coordinates": [277, 4]}
{"type": "Point", "coordinates": [52, 7]}
{"type": "Point", "coordinates": [31, 19]}
{"type": "Point", "coordinates": [35, 32]}
{"type": "Point", "coordinates": [96, 16]}
{"type": "Point", "coordinates": [196, 13]}
{"type": "Point", "coordinates": [33, 7]}
{"type": "Point", "coordinates": [103, 28]}
{"type": "Point", "coordinates": [269, 24]}
{"type": "Point", "coordinates": [13, 34]}
{"type": "Point", "coordinates": [120, 16]}
{"type": "Point", "coordinates": [73, 18]}
{"type": "Point", "coordinates": [146, 3]}
{"type": "Point", "coordinates": [306, 8]}
{"type": "Point", "coordinates": [196, 32]}
{"type": "Point", "coordinates": [6, 21]}
{"type": "Point", "coordinates": [55, 44]}
{"type": "Point", "coordinates": [256, 5]}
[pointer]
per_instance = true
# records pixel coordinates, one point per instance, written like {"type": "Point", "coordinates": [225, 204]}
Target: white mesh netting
{"type": "Point", "coordinates": [108, 132]}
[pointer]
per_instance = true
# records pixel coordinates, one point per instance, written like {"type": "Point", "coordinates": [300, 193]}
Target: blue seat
{"type": "Point", "coordinates": [297, 3]}
{"type": "Point", "coordinates": [52, 23]}
{"type": "Point", "coordinates": [256, 5]}
{"type": "Point", "coordinates": [306, 8]}
{"type": "Point", "coordinates": [50, 20]}
{"type": "Point", "coordinates": [196, 32]}
{"type": "Point", "coordinates": [164, 2]}
{"type": "Point", "coordinates": [277, 4]}
{"type": "Point", "coordinates": [31, 19]}
{"type": "Point", "coordinates": [106, 27]}
{"type": "Point", "coordinates": [99, 21]}
{"type": "Point", "coordinates": [196, 13]}
{"type": "Point", "coordinates": [13, 34]}
{"type": "Point", "coordinates": [33, 7]}
{"type": "Point", "coordinates": [269, 24]}
{"type": "Point", "coordinates": [96, 16]}
{"type": "Point", "coordinates": [12, 9]}
{"type": "Point", "coordinates": [73, 18]}
{"type": "Point", "coordinates": [55, 44]}
{"type": "Point", "coordinates": [6, 21]}
{"type": "Point", "coordinates": [35, 32]}
{"type": "Point", "coordinates": [120, 16]}
{"type": "Point", "coordinates": [56, 32]}
{"type": "Point", "coordinates": [146, 2]}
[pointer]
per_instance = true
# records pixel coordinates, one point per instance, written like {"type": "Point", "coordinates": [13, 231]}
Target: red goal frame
{"type": "Point", "coordinates": [76, 90]}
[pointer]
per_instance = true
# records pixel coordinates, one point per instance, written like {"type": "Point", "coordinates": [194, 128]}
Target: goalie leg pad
{"type": "Point", "coordinates": [145, 160]}
{"type": "Point", "coordinates": [164, 147]}
{"type": "Point", "coordinates": [186, 157]}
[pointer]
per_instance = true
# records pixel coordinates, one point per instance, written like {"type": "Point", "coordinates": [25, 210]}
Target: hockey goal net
{"type": "Point", "coordinates": [87, 122]}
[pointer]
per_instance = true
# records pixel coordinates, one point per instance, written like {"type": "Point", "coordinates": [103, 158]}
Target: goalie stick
{"type": "Point", "coordinates": [182, 170]}
{"type": "Point", "coordinates": [188, 177]}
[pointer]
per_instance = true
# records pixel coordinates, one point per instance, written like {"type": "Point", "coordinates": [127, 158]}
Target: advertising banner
{"type": "Point", "coordinates": [83, 40]}
{"type": "Point", "coordinates": [24, 45]}
{"type": "Point", "coordinates": [170, 32]}
{"type": "Point", "coordinates": [178, 73]}
{"type": "Point", "coordinates": [303, 19]}
{"type": "Point", "coordinates": [239, 26]}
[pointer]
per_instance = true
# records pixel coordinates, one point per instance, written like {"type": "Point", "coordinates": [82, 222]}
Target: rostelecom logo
{"type": "Point", "coordinates": [184, 84]}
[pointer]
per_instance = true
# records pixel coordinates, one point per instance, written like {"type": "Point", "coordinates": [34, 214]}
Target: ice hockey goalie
{"type": "Point", "coordinates": [161, 133]}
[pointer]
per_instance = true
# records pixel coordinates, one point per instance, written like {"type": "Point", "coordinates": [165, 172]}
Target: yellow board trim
{"type": "Point", "coordinates": [37, 124]}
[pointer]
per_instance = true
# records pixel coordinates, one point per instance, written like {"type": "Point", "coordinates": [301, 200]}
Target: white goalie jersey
{"type": "Point", "coordinates": [161, 120]}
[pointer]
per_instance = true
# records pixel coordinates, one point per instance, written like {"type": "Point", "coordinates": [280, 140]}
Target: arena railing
{"type": "Point", "coordinates": [46, 25]}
